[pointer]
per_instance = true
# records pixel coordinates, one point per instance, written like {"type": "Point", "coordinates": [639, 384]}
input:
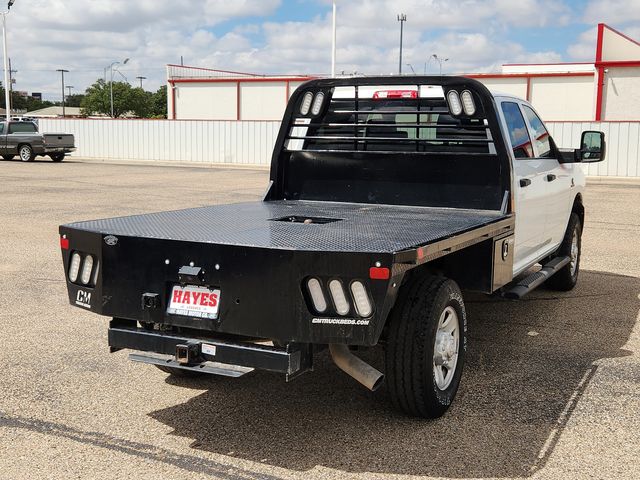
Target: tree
{"type": "Point", "coordinates": [126, 100]}
{"type": "Point", "coordinates": [73, 100]}
{"type": "Point", "coordinates": [160, 102]}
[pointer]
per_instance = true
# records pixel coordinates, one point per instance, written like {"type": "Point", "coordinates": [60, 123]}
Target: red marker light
{"type": "Point", "coordinates": [383, 94]}
{"type": "Point", "coordinates": [64, 243]}
{"type": "Point", "coordinates": [379, 273]}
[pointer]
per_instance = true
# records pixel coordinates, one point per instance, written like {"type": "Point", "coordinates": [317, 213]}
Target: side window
{"type": "Point", "coordinates": [1, 128]}
{"type": "Point", "coordinates": [518, 133]}
{"type": "Point", "coordinates": [540, 133]}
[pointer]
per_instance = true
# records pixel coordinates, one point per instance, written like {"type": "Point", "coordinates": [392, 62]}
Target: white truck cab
{"type": "Point", "coordinates": [545, 189]}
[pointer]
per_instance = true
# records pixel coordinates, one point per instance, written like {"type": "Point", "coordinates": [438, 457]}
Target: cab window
{"type": "Point", "coordinates": [520, 141]}
{"type": "Point", "coordinates": [540, 134]}
{"type": "Point", "coordinates": [22, 127]}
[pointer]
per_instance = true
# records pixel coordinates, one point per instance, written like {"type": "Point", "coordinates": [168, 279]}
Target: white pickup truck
{"type": "Point", "coordinates": [387, 196]}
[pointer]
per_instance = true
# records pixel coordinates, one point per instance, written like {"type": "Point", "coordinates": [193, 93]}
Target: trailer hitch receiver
{"type": "Point", "coordinates": [187, 354]}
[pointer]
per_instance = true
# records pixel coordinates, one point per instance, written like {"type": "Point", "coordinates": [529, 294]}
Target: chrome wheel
{"type": "Point", "coordinates": [25, 153]}
{"type": "Point", "coordinates": [573, 254]}
{"type": "Point", "coordinates": [445, 352]}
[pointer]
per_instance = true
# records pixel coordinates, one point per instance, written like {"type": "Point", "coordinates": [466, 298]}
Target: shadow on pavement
{"type": "Point", "coordinates": [527, 365]}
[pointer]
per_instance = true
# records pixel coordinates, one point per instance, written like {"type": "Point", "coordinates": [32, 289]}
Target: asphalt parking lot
{"type": "Point", "coordinates": [551, 387]}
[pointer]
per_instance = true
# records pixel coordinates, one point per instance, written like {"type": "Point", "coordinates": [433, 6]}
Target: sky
{"type": "Point", "coordinates": [294, 36]}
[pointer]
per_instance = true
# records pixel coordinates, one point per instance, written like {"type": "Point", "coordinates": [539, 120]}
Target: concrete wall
{"type": "Point", "coordinates": [621, 96]}
{"type": "Point", "coordinates": [251, 143]}
{"type": "Point", "coordinates": [513, 86]}
{"type": "Point", "coordinates": [563, 98]}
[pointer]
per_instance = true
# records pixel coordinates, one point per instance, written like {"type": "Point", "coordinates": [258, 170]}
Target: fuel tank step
{"type": "Point", "coordinates": [534, 280]}
{"type": "Point", "coordinates": [214, 368]}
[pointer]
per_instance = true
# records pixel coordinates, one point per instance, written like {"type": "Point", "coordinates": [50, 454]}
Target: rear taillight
{"type": "Point", "coordinates": [317, 295]}
{"type": "Point", "coordinates": [355, 298]}
{"type": "Point", "coordinates": [338, 296]}
{"type": "Point", "coordinates": [361, 299]}
{"type": "Point", "coordinates": [384, 94]}
{"type": "Point", "coordinates": [83, 269]}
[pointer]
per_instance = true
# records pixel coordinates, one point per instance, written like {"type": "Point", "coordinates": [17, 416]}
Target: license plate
{"type": "Point", "coordinates": [193, 301]}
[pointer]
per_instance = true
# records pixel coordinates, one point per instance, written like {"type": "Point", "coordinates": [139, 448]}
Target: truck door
{"type": "Point", "coordinates": [3, 140]}
{"type": "Point", "coordinates": [529, 188]}
{"type": "Point", "coordinates": [558, 179]}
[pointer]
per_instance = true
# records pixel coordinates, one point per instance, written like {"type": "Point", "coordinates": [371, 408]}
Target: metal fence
{"type": "Point", "coordinates": [251, 142]}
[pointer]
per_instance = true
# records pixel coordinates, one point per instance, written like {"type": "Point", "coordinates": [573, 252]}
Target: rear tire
{"type": "Point", "coordinates": [426, 347]}
{"type": "Point", "coordinates": [180, 372]}
{"type": "Point", "coordinates": [571, 246]}
{"type": "Point", "coordinates": [25, 152]}
{"type": "Point", "coordinates": [57, 157]}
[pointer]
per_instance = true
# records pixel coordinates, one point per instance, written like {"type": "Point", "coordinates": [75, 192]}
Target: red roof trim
{"type": "Point", "coordinates": [213, 70]}
{"type": "Point", "coordinates": [619, 63]}
{"type": "Point", "coordinates": [599, 42]}
{"type": "Point", "coordinates": [551, 63]}
{"type": "Point", "coordinates": [530, 75]}
{"type": "Point", "coordinates": [241, 80]}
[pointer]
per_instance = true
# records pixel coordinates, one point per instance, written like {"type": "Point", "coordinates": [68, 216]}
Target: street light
{"type": "Point", "coordinates": [125, 61]}
{"type": "Point", "coordinates": [411, 67]}
{"type": "Point", "coordinates": [141, 79]}
{"type": "Point", "coordinates": [439, 60]}
{"type": "Point", "coordinates": [401, 18]}
{"type": "Point", "coordinates": [7, 85]}
{"type": "Point", "coordinates": [333, 42]}
{"type": "Point", "coordinates": [69, 87]}
{"type": "Point", "coordinates": [62, 71]}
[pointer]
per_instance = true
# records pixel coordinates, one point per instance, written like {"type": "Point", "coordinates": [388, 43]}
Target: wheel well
{"type": "Point", "coordinates": [578, 207]}
{"type": "Point", "coordinates": [20, 145]}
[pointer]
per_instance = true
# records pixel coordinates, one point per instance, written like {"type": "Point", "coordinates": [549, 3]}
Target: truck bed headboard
{"type": "Point", "coordinates": [424, 141]}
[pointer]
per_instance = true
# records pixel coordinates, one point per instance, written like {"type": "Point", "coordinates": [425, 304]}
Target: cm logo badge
{"type": "Point", "coordinates": [83, 298]}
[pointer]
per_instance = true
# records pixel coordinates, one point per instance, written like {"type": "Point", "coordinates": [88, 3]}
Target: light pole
{"type": "Point", "coordinates": [111, 82]}
{"type": "Point", "coordinates": [69, 87]}
{"type": "Point", "coordinates": [62, 71]}
{"type": "Point", "coordinates": [7, 86]}
{"type": "Point", "coordinates": [333, 42]}
{"type": "Point", "coordinates": [440, 61]}
{"type": "Point", "coordinates": [401, 18]}
{"type": "Point", "coordinates": [141, 79]}
{"type": "Point", "coordinates": [411, 67]}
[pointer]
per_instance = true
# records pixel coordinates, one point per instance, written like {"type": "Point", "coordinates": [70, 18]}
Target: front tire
{"type": "Point", "coordinates": [426, 347]}
{"type": "Point", "coordinates": [571, 246]}
{"type": "Point", "coordinates": [26, 153]}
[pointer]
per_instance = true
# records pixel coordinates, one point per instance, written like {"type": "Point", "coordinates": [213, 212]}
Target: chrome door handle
{"type": "Point", "coordinates": [525, 182]}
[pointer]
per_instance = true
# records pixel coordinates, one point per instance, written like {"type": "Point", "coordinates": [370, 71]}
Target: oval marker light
{"type": "Point", "coordinates": [317, 297]}
{"type": "Point", "coordinates": [361, 299]}
{"type": "Point", "coordinates": [339, 298]}
{"type": "Point", "coordinates": [467, 103]}
{"type": "Point", "coordinates": [74, 268]}
{"type": "Point", "coordinates": [306, 103]}
{"type": "Point", "coordinates": [454, 102]}
{"type": "Point", "coordinates": [87, 267]}
{"type": "Point", "coordinates": [317, 104]}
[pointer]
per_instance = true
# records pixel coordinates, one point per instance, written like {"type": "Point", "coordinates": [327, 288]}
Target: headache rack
{"type": "Point", "coordinates": [384, 119]}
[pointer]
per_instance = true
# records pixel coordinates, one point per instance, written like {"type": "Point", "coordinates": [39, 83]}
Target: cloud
{"type": "Point", "coordinates": [85, 36]}
{"type": "Point", "coordinates": [612, 11]}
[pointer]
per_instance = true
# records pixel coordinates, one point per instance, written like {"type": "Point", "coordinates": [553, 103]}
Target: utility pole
{"type": "Point", "coordinates": [401, 18]}
{"type": "Point", "coordinates": [141, 79]}
{"type": "Point", "coordinates": [7, 84]}
{"type": "Point", "coordinates": [333, 42]}
{"type": "Point", "coordinates": [62, 71]}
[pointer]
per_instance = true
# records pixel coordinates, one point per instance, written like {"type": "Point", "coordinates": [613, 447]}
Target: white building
{"type": "Point", "coordinates": [606, 89]}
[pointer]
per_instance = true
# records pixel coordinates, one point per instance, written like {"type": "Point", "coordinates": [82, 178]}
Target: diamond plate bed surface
{"type": "Point", "coordinates": [361, 227]}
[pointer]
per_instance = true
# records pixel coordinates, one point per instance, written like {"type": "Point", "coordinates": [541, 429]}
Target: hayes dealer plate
{"type": "Point", "coordinates": [193, 301]}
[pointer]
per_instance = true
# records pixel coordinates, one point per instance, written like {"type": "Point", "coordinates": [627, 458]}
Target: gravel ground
{"type": "Point", "coordinates": [551, 388]}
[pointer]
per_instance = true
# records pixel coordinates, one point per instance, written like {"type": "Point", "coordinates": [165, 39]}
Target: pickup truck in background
{"type": "Point", "coordinates": [22, 139]}
{"type": "Point", "coordinates": [388, 197]}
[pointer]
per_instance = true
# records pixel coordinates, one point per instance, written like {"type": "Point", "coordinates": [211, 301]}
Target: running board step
{"type": "Point", "coordinates": [534, 280]}
{"type": "Point", "coordinates": [214, 368]}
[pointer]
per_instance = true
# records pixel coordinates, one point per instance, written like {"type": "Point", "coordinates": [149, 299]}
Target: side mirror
{"type": "Point", "coordinates": [592, 147]}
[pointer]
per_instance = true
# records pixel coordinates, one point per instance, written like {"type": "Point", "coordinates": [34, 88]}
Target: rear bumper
{"type": "Point", "coordinates": [59, 149]}
{"type": "Point", "coordinates": [292, 360]}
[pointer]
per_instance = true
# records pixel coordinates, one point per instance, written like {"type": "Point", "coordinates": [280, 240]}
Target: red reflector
{"type": "Point", "coordinates": [379, 273]}
{"type": "Point", "coordinates": [64, 243]}
{"type": "Point", "coordinates": [382, 94]}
